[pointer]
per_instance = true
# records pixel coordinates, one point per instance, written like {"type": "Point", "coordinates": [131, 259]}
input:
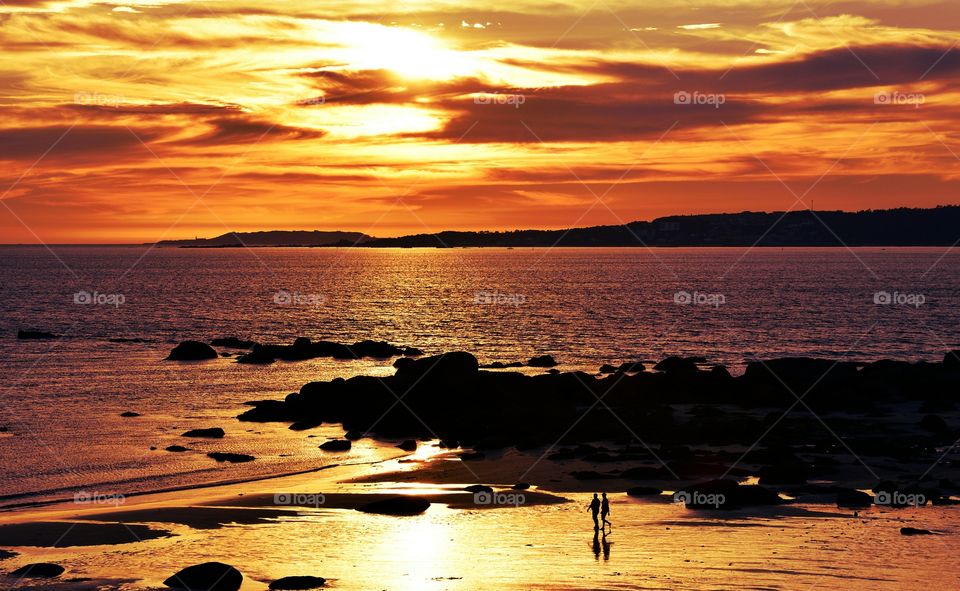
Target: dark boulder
{"type": "Point", "coordinates": [211, 433]}
{"type": "Point", "coordinates": [448, 368]}
{"type": "Point", "coordinates": [35, 334]}
{"type": "Point", "coordinates": [542, 361]}
{"type": "Point", "coordinates": [607, 368]}
{"type": "Point", "coordinates": [913, 531]}
{"type": "Point", "coordinates": [192, 351]}
{"type": "Point", "coordinates": [951, 360]}
{"type": "Point", "coordinates": [934, 424]}
{"type": "Point", "coordinates": [408, 445]}
{"type": "Point", "coordinates": [678, 365]}
{"type": "Point", "coordinates": [644, 491]}
{"type": "Point", "coordinates": [353, 435]}
{"type": "Point", "coordinates": [38, 570]}
{"type": "Point", "coordinates": [478, 488]}
{"type": "Point", "coordinates": [177, 448]}
{"type": "Point", "coordinates": [726, 494]}
{"type": "Point", "coordinates": [402, 505]}
{"type": "Point", "coordinates": [336, 445]}
{"type": "Point", "coordinates": [521, 486]}
{"type": "Point", "coordinates": [129, 414]}
{"type": "Point", "coordinates": [297, 583]}
{"type": "Point", "coordinates": [209, 576]}
{"type": "Point", "coordinates": [266, 411]}
{"type": "Point", "coordinates": [853, 499]}
{"type": "Point", "coordinates": [7, 554]}
{"type": "Point", "coordinates": [230, 457]}
{"type": "Point", "coordinates": [232, 343]}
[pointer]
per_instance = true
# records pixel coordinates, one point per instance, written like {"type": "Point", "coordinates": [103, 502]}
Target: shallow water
{"type": "Point", "coordinates": [585, 306]}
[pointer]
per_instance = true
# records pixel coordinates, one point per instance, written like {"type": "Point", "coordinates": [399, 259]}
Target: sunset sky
{"type": "Point", "coordinates": [155, 119]}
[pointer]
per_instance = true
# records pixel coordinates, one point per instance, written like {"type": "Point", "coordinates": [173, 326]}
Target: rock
{"type": "Point", "coordinates": [192, 351]}
{"type": "Point", "coordinates": [211, 433]}
{"type": "Point", "coordinates": [913, 531]}
{"type": "Point", "coordinates": [951, 360]}
{"type": "Point", "coordinates": [265, 411]}
{"type": "Point", "coordinates": [38, 570]}
{"type": "Point", "coordinates": [726, 494]}
{"type": "Point", "coordinates": [35, 334]}
{"type": "Point", "coordinates": [209, 576]}
{"type": "Point", "coordinates": [502, 365]}
{"type": "Point", "coordinates": [305, 424]}
{"type": "Point", "coordinates": [129, 414]}
{"type": "Point", "coordinates": [232, 343]}
{"type": "Point", "coordinates": [336, 445]}
{"type": "Point", "coordinates": [607, 368]}
{"type": "Point", "coordinates": [402, 505]}
{"type": "Point", "coordinates": [644, 491]}
{"type": "Point", "coordinates": [851, 499]}
{"type": "Point", "coordinates": [678, 365]}
{"type": "Point", "coordinates": [412, 352]}
{"type": "Point", "coordinates": [448, 368]}
{"type": "Point", "coordinates": [476, 488]}
{"type": "Point", "coordinates": [6, 554]}
{"type": "Point", "coordinates": [631, 367]}
{"type": "Point", "coordinates": [521, 486]}
{"type": "Point", "coordinates": [408, 445]}
{"type": "Point", "coordinates": [542, 361]}
{"type": "Point", "coordinates": [177, 448]}
{"type": "Point", "coordinates": [353, 435]}
{"type": "Point", "coordinates": [790, 473]}
{"type": "Point", "coordinates": [230, 457]}
{"type": "Point", "coordinates": [298, 583]}
{"type": "Point", "coordinates": [934, 424]}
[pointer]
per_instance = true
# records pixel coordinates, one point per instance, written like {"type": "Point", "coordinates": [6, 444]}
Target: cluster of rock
{"type": "Point", "coordinates": [451, 398]}
{"type": "Point", "coordinates": [301, 349]}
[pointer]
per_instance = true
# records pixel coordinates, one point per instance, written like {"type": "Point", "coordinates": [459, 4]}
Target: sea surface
{"type": "Point", "coordinates": [119, 310]}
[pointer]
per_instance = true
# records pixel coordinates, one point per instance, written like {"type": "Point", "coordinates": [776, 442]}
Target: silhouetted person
{"type": "Point", "coordinates": [605, 510]}
{"type": "Point", "coordinates": [594, 508]}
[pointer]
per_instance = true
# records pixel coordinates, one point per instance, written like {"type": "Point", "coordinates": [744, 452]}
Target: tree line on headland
{"type": "Point", "coordinates": [939, 226]}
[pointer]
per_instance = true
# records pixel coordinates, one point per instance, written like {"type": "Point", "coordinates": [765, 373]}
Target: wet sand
{"type": "Point", "coordinates": [305, 524]}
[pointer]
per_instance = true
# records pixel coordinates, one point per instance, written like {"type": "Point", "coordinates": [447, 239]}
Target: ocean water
{"type": "Point", "coordinates": [61, 399]}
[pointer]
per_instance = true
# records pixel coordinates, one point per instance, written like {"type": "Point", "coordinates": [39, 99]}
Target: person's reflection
{"type": "Point", "coordinates": [600, 544]}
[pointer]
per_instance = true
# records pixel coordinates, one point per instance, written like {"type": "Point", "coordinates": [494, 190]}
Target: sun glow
{"type": "Point", "coordinates": [408, 53]}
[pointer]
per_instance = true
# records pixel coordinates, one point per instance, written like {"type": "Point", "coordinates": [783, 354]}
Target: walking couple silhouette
{"type": "Point", "coordinates": [600, 509]}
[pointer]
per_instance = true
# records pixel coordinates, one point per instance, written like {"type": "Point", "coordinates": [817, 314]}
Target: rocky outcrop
{"type": "Point", "coordinates": [297, 583]}
{"type": "Point", "coordinates": [38, 570]}
{"type": "Point", "coordinates": [400, 505]}
{"type": "Point", "coordinates": [304, 348]}
{"type": "Point", "coordinates": [192, 351]}
{"type": "Point", "coordinates": [210, 433]}
{"type": "Point", "coordinates": [209, 576]}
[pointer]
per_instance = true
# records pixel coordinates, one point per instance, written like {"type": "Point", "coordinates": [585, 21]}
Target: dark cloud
{"type": "Point", "coordinates": [30, 143]}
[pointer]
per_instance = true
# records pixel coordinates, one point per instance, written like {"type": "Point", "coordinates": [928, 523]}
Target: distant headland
{"type": "Point", "coordinates": [939, 226]}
